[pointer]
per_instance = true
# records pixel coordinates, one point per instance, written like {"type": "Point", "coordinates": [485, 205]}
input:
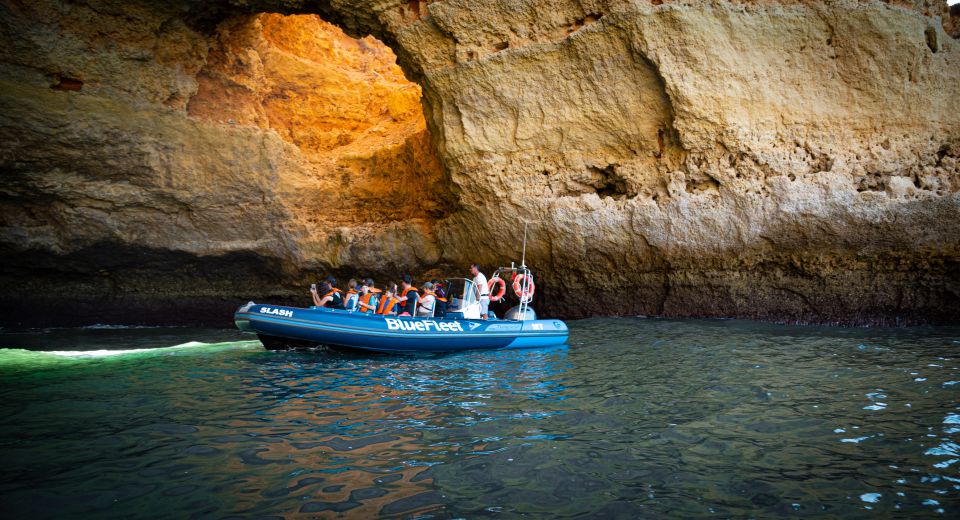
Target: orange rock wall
{"type": "Point", "coordinates": [342, 101]}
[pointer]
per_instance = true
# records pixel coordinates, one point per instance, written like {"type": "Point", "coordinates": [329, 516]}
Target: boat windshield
{"type": "Point", "coordinates": [461, 292]}
{"type": "Point", "coordinates": [463, 297]}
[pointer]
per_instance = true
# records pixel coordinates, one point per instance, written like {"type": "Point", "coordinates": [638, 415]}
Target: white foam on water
{"type": "Point", "coordinates": [107, 353]}
{"type": "Point", "coordinates": [855, 440]}
{"type": "Point", "coordinates": [92, 353]}
{"type": "Point", "coordinates": [871, 498]}
{"type": "Point", "coordinates": [196, 344]}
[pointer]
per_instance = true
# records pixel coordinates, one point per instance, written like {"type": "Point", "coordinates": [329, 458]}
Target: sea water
{"type": "Point", "coordinates": [636, 417]}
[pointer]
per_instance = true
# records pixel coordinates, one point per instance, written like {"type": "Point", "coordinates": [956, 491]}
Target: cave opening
{"type": "Point", "coordinates": [256, 151]}
{"type": "Point", "coordinates": [345, 105]}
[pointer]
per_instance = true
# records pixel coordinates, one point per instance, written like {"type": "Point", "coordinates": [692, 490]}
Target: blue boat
{"type": "Point", "coordinates": [280, 327]}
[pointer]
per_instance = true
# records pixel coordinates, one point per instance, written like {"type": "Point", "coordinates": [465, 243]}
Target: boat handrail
{"type": "Point", "coordinates": [525, 285]}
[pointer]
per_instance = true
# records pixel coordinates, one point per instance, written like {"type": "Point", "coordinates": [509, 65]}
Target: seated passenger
{"type": "Point", "coordinates": [369, 297]}
{"type": "Point", "coordinates": [331, 298]}
{"type": "Point", "coordinates": [352, 298]}
{"type": "Point", "coordinates": [408, 296]}
{"type": "Point", "coordinates": [427, 303]}
{"type": "Point", "coordinates": [441, 296]}
{"type": "Point", "coordinates": [388, 304]}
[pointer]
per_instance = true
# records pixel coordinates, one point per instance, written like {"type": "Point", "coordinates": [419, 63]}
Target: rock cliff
{"type": "Point", "coordinates": [784, 159]}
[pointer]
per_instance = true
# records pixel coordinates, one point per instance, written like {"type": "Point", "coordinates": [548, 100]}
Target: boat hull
{"type": "Point", "coordinates": [320, 326]}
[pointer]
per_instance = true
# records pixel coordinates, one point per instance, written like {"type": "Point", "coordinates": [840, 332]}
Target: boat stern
{"type": "Point", "coordinates": [240, 317]}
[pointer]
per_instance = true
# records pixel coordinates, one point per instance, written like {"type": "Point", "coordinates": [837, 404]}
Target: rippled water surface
{"type": "Point", "coordinates": [636, 417]}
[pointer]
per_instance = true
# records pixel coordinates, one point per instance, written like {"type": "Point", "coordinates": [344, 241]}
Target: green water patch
{"type": "Point", "coordinates": [25, 360]}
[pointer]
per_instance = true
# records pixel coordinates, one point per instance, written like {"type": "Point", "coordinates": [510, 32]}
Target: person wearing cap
{"type": "Point", "coordinates": [427, 302]}
{"type": "Point", "coordinates": [483, 291]}
{"type": "Point", "coordinates": [369, 297]}
{"type": "Point", "coordinates": [407, 300]}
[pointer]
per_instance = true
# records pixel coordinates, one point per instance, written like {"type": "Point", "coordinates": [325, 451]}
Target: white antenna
{"type": "Point", "coordinates": [523, 259]}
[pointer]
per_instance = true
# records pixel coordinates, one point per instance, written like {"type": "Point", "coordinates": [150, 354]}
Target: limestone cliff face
{"type": "Point", "coordinates": [781, 159]}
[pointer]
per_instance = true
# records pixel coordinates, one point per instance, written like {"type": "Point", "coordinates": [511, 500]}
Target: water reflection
{"type": "Point", "coordinates": [375, 425]}
{"type": "Point", "coordinates": [636, 418]}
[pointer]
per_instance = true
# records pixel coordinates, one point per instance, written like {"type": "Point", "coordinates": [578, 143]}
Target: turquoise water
{"type": "Point", "coordinates": [637, 417]}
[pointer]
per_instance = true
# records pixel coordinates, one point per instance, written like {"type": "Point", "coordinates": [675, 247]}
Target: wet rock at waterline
{"type": "Point", "coordinates": [792, 160]}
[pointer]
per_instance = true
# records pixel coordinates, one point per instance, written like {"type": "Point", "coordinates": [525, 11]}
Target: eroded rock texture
{"type": "Point", "coordinates": [792, 160]}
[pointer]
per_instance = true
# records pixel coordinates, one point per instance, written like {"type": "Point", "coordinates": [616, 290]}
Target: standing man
{"type": "Point", "coordinates": [483, 292]}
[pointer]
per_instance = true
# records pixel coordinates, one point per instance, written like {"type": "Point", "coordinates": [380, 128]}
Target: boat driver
{"type": "Point", "coordinates": [483, 291]}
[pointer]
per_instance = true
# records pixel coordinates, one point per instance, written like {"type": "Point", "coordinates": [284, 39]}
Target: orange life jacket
{"type": "Point", "coordinates": [365, 299]}
{"type": "Point", "coordinates": [408, 289]}
{"type": "Point", "coordinates": [331, 293]}
{"type": "Point", "coordinates": [386, 305]}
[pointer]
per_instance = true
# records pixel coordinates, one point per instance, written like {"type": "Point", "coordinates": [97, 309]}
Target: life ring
{"type": "Point", "coordinates": [525, 297]}
{"type": "Point", "coordinates": [503, 289]}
